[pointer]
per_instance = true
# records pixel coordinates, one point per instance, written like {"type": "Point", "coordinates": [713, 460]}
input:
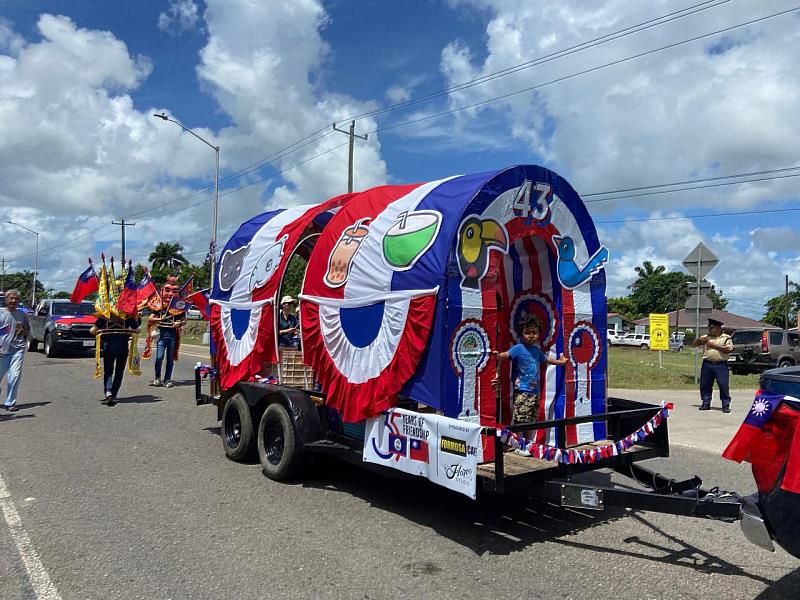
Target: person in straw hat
{"type": "Point", "coordinates": [288, 325]}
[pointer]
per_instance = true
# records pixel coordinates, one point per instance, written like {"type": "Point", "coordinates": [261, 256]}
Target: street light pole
{"type": "Point", "coordinates": [35, 261]}
{"type": "Point", "coordinates": [215, 220]}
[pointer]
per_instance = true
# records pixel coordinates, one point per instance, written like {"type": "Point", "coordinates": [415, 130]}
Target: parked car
{"type": "Point", "coordinates": [193, 314]}
{"type": "Point", "coordinates": [756, 349]}
{"type": "Point", "coordinates": [642, 340]}
{"type": "Point", "coordinates": [614, 337]}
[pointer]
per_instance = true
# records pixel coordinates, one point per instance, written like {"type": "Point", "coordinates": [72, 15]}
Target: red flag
{"type": "Point", "coordinates": [200, 300]}
{"type": "Point", "coordinates": [86, 284]}
{"type": "Point", "coordinates": [127, 301]}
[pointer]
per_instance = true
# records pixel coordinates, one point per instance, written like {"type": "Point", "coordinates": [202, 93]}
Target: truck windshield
{"type": "Point", "coordinates": [68, 309]}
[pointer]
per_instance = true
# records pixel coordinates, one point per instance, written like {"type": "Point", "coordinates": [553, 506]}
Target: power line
{"type": "Point", "coordinates": [579, 73]}
{"type": "Point", "coordinates": [624, 32]}
{"type": "Point", "coordinates": [703, 216]}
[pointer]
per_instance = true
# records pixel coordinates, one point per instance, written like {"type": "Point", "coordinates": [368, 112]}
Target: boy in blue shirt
{"type": "Point", "coordinates": [526, 359]}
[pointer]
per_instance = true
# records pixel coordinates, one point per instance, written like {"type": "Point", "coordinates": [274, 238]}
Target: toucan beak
{"type": "Point", "coordinates": [494, 235]}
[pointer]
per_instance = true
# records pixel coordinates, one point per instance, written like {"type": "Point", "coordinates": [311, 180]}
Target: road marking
{"type": "Point", "coordinates": [37, 574]}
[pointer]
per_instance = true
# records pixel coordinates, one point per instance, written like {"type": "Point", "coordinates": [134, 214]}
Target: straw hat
{"type": "Point", "coordinates": [288, 300]}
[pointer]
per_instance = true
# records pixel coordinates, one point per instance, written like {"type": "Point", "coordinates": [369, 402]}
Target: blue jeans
{"type": "Point", "coordinates": [165, 346]}
{"type": "Point", "coordinates": [708, 373]}
{"type": "Point", "coordinates": [113, 370]}
{"type": "Point", "coordinates": [11, 365]}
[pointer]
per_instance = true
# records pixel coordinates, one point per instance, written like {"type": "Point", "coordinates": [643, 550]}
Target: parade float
{"type": "Point", "coordinates": [407, 291]}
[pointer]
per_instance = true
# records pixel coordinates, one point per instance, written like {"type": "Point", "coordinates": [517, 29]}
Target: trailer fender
{"type": "Point", "coordinates": [300, 406]}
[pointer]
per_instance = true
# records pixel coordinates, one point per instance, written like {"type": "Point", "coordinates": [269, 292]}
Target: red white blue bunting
{"type": "Point", "coordinates": [568, 456]}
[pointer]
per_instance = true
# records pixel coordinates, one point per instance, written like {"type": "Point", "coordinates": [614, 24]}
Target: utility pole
{"type": "Point", "coordinates": [352, 136]}
{"type": "Point", "coordinates": [3, 274]}
{"type": "Point", "coordinates": [122, 223]}
{"type": "Point", "coordinates": [786, 304]}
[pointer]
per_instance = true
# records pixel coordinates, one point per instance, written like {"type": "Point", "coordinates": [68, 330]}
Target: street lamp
{"type": "Point", "coordinates": [35, 262]}
{"type": "Point", "coordinates": [213, 245]}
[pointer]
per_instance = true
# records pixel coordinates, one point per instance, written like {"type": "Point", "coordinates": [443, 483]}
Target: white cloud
{"type": "Point", "coordinates": [397, 93]}
{"type": "Point", "coordinates": [182, 15]}
{"type": "Point", "coordinates": [776, 239]}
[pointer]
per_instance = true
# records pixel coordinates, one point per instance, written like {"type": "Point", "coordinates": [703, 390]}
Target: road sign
{"type": "Point", "coordinates": [695, 302]}
{"type": "Point", "coordinates": [659, 332]}
{"type": "Point", "coordinates": [638, 329]}
{"type": "Point", "coordinates": [700, 261]}
{"type": "Point", "coordinates": [699, 288]}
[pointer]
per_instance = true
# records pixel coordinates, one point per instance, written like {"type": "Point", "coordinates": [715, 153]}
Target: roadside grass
{"type": "Point", "coordinates": [192, 333]}
{"type": "Point", "coordinates": [637, 369]}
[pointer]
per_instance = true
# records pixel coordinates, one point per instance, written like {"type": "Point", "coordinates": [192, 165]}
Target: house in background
{"type": "Point", "coordinates": [618, 323]}
{"type": "Point", "coordinates": [686, 320]}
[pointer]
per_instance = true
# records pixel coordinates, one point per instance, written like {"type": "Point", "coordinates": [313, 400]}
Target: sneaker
{"type": "Point", "coordinates": [112, 400]}
{"type": "Point", "coordinates": [11, 408]}
{"type": "Point", "coordinates": [726, 409]}
{"type": "Point", "coordinates": [705, 407]}
{"type": "Point", "coordinates": [157, 382]}
{"type": "Point", "coordinates": [520, 452]}
{"type": "Point", "coordinates": [168, 384]}
{"type": "Point", "coordinates": [108, 395]}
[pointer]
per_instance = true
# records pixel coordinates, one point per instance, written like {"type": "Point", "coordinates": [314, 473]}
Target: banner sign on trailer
{"type": "Point", "coordinates": [444, 450]}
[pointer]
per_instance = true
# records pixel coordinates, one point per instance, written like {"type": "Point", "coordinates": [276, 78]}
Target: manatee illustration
{"type": "Point", "coordinates": [230, 266]}
{"type": "Point", "coordinates": [267, 264]}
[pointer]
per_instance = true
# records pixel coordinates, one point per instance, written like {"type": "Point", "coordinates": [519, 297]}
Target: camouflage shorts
{"type": "Point", "coordinates": [526, 407]}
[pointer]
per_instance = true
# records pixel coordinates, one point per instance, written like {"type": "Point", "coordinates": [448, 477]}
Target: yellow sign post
{"type": "Point", "coordinates": [659, 334]}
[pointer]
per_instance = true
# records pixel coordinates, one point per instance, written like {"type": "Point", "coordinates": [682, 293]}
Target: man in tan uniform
{"type": "Point", "coordinates": [717, 347]}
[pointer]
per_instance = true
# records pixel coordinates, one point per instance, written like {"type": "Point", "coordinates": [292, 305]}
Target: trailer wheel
{"type": "Point", "coordinates": [237, 429]}
{"type": "Point", "coordinates": [49, 346]}
{"type": "Point", "coordinates": [277, 444]}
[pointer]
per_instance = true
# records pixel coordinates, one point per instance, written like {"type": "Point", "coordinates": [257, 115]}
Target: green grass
{"type": "Point", "coordinates": [633, 368]}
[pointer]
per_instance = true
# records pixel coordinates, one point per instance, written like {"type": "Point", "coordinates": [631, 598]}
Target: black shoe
{"type": "Point", "coordinates": [112, 400]}
{"type": "Point", "coordinates": [705, 407]}
{"type": "Point", "coordinates": [726, 409]}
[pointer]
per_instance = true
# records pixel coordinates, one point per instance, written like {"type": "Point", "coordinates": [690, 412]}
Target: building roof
{"type": "Point", "coordinates": [730, 320]}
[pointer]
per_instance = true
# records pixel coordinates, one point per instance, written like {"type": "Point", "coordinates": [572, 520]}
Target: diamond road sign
{"type": "Point", "coordinates": [700, 261]}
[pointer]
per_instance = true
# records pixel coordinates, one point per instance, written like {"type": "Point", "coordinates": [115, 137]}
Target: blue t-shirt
{"type": "Point", "coordinates": [525, 364]}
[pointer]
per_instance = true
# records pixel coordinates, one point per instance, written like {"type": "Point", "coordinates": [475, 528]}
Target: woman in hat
{"type": "Point", "coordinates": [288, 326]}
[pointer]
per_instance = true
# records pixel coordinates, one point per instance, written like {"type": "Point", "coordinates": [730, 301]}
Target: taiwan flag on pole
{"type": "Point", "coordinates": [201, 300]}
{"type": "Point", "coordinates": [87, 283]}
{"type": "Point", "coordinates": [144, 290]}
{"type": "Point", "coordinates": [128, 298]}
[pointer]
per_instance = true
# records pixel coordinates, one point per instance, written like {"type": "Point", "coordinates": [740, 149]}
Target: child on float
{"type": "Point", "coordinates": [526, 359]}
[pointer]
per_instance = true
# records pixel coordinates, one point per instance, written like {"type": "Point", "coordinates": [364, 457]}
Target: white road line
{"type": "Point", "coordinates": [40, 580]}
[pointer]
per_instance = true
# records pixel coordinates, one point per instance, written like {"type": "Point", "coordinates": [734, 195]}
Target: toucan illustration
{"type": "Point", "coordinates": [475, 238]}
{"type": "Point", "coordinates": [569, 273]}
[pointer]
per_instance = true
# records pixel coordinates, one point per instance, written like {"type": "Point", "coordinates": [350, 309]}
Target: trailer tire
{"type": "Point", "coordinates": [237, 429]}
{"type": "Point", "coordinates": [277, 444]}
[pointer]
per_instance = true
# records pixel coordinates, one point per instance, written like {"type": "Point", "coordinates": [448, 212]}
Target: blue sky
{"type": "Point", "coordinates": [79, 82]}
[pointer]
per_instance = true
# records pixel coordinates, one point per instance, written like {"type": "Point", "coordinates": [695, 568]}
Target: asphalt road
{"type": "Point", "coordinates": [138, 501]}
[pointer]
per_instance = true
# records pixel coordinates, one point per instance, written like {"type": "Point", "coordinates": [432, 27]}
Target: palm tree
{"type": "Point", "coordinates": [646, 272]}
{"type": "Point", "coordinates": [167, 256]}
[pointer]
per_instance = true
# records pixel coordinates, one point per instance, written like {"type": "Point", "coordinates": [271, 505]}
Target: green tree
{"type": "Point", "coordinates": [716, 298]}
{"type": "Point", "coordinates": [776, 307]}
{"type": "Point", "coordinates": [167, 256]}
{"type": "Point", "coordinates": [293, 278]}
{"type": "Point", "coordinates": [22, 281]}
{"type": "Point", "coordinates": [656, 291]}
{"type": "Point", "coordinates": [623, 306]}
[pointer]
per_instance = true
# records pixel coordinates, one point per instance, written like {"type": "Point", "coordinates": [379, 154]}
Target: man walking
{"type": "Point", "coordinates": [717, 347]}
{"type": "Point", "coordinates": [14, 331]}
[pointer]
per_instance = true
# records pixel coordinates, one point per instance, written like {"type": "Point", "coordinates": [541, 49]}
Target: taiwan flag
{"type": "Point", "coordinates": [128, 298]}
{"type": "Point", "coordinates": [398, 445]}
{"type": "Point", "coordinates": [768, 439]}
{"type": "Point", "coordinates": [418, 450]}
{"type": "Point", "coordinates": [87, 283]}
{"type": "Point", "coordinates": [145, 290]}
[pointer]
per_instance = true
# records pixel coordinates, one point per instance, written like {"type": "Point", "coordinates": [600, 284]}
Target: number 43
{"type": "Point", "coordinates": [540, 210]}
